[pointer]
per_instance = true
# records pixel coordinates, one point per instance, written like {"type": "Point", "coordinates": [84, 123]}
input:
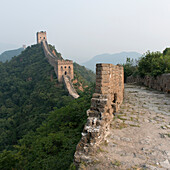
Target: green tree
{"type": "Point", "coordinates": [154, 63]}
{"type": "Point", "coordinates": [130, 68]}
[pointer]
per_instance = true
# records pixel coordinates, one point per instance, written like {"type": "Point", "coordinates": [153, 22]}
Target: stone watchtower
{"type": "Point", "coordinates": [64, 67]}
{"type": "Point", "coordinates": [41, 36]}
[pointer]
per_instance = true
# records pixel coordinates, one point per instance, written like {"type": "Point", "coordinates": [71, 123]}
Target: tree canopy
{"type": "Point", "coordinates": [40, 124]}
{"type": "Point", "coordinates": [151, 64]}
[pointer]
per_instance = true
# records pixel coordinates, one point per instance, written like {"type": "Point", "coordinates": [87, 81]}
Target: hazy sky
{"type": "Point", "coordinates": [81, 29]}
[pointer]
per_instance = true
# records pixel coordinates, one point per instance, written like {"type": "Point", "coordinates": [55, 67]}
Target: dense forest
{"type": "Point", "coordinates": [40, 124]}
{"type": "Point", "coordinates": [151, 64]}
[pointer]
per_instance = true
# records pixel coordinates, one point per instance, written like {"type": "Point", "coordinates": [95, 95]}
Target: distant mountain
{"type": "Point", "coordinates": [117, 58]}
{"type": "Point", "coordinates": [8, 55]}
{"type": "Point", "coordinates": [5, 47]}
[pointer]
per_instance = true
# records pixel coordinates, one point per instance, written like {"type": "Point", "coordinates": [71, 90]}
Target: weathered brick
{"type": "Point", "coordinates": [107, 98]}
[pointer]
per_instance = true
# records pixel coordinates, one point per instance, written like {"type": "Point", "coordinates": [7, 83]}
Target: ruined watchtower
{"type": "Point", "coordinates": [41, 36]}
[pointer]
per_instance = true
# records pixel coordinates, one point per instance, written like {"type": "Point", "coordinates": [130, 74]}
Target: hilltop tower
{"type": "Point", "coordinates": [41, 36]}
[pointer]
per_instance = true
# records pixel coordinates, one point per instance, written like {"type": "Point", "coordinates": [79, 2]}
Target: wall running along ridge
{"type": "Point", "coordinates": [161, 83]}
{"type": "Point", "coordinates": [63, 69]}
{"type": "Point", "coordinates": [106, 100]}
{"type": "Point", "coordinates": [69, 85]}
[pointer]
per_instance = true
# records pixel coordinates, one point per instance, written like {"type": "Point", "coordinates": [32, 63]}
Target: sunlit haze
{"type": "Point", "coordinates": [81, 29]}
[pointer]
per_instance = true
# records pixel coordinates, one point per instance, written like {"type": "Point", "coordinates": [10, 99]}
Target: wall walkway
{"type": "Point", "coordinates": [69, 86]}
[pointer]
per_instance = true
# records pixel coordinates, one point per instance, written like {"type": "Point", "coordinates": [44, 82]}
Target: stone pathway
{"type": "Point", "coordinates": [140, 134]}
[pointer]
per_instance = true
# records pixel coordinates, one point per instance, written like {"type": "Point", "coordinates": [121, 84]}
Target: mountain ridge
{"type": "Point", "coordinates": [9, 54]}
{"type": "Point", "coordinates": [116, 58]}
{"type": "Point", "coordinates": [7, 46]}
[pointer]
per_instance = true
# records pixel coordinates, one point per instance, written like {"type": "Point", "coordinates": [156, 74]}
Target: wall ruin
{"type": "Point", "coordinates": [106, 100]}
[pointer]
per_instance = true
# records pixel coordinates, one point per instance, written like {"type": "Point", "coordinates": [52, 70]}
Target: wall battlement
{"type": "Point", "coordinates": [65, 62]}
{"type": "Point", "coordinates": [106, 100]}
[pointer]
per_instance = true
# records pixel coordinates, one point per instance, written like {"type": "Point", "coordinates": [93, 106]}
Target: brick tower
{"type": "Point", "coordinates": [41, 36]}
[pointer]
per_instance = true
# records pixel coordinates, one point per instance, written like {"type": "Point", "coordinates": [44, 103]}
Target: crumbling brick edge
{"type": "Point", "coordinates": [106, 100]}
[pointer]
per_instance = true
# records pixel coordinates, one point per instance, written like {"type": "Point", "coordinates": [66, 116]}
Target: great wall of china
{"type": "Point", "coordinates": [63, 68]}
{"type": "Point", "coordinates": [105, 102]}
{"type": "Point", "coordinates": [105, 118]}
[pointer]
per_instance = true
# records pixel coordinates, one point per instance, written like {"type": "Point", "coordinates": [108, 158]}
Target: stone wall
{"type": "Point", "coordinates": [51, 58]}
{"type": "Point", "coordinates": [63, 69]}
{"type": "Point", "coordinates": [69, 86]}
{"type": "Point", "coordinates": [106, 100]}
{"type": "Point", "coordinates": [161, 83]}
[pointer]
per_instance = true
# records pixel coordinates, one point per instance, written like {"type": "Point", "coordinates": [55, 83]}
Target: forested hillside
{"type": "Point", "coordinates": [40, 124]}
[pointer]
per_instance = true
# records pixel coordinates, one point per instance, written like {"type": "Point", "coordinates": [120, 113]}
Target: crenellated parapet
{"type": "Point", "coordinates": [105, 102]}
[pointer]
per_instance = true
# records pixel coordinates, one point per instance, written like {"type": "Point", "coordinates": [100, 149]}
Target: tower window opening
{"type": "Point", "coordinates": [115, 98]}
{"type": "Point", "coordinates": [65, 73]}
{"type": "Point", "coordinates": [65, 67]}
